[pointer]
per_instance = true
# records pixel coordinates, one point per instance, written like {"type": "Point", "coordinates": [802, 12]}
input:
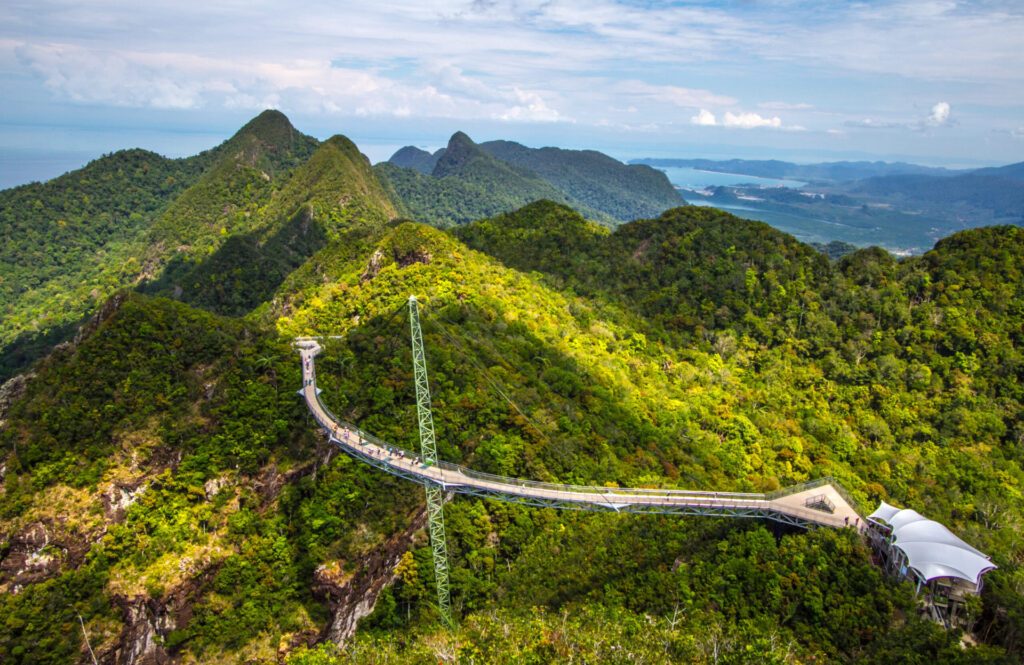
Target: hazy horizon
{"type": "Point", "coordinates": [21, 164]}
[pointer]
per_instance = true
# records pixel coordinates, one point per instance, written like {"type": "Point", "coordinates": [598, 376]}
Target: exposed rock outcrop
{"type": "Point", "coordinates": [351, 596]}
{"type": "Point", "coordinates": [10, 391]}
{"type": "Point", "coordinates": [31, 556]}
{"type": "Point", "coordinates": [147, 621]}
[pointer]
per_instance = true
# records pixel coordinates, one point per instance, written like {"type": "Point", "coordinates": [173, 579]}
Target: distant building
{"type": "Point", "coordinates": [945, 569]}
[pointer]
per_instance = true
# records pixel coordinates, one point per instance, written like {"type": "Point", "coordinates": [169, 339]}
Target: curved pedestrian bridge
{"type": "Point", "coordinates": [817, 503]}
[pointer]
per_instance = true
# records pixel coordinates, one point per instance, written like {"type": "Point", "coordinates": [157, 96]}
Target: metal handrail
{"type": "Point", "coordinates": [753, 497]}
{"type": "Point", "coordinates": [517, 486]}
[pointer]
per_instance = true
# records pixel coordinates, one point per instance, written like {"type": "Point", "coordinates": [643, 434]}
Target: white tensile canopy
{"type": "Point", "coordinates": [931, 549]}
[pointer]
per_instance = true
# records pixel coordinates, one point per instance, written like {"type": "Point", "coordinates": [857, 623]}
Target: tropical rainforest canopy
{"type": "Point", "coordinates": [166, 496]}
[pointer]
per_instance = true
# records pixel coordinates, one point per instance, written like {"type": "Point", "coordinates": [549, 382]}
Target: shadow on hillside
{"type": "Point", "coordinates": [28, 347]}
{"type": "Point", "coordinates": [574, 427]}
{"type": "Point", "coordinates": [244, 272]}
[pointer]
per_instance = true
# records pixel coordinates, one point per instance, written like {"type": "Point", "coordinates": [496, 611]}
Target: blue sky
{"type": "Point", "coordinates": [937, 82]}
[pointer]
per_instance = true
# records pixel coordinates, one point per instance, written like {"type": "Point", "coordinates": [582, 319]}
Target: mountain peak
{"type": "Point", "coordinates": [268, 141]}
{"type": "Point", "coordinates": [411, 157]}
{"type": "Point", "coordinates": [461, 151]}
{"type": "Point", "coordinates": [270, 126]}
{"type": "Point", "coordinates": [460, 139]}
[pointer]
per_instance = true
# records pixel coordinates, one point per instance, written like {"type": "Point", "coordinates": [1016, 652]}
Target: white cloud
{"type": "Point", "coordinates": [691, 98]}
{"type": "Point", "coordinates": [531, 107]}
{"type": "Point", "coordinates": [784, 106]}
{"type": "Point", "coordinates": [174, 81]}
{"type": "Point", "coordinates": [750, 120]}
{"type": "Point", "coordinates": [705, 118]}
{"type": "Point", "coordinates": [939, 115]}
{"type": "Point", "coordinates": [532, 60]}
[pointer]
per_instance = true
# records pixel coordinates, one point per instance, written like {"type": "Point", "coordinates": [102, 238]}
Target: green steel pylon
{"type": "Point", "coordinates": [428, 448]}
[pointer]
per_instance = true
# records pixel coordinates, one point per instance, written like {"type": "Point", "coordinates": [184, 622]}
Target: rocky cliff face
{"type": "Point", "coordinates": [352, 596]}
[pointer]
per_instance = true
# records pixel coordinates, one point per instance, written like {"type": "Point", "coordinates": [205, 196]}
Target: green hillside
{"type": "Point", "coordinates": [228, 199]}
{"type": "Point", "coordinates": [411, 157]}
{"type": "Point", "coordinates": [167, 498]}
{"type": "Point", "coordinates": [70, 241]}
{"type": "Point", "coordinates": [625, 192]}
{"type": "Point", "coordinates": [334, 190]}
{"type": "Point", "coordinates": [195, 407]}
{"type": "Point", "coordinates": [467, 183]}
{"type": "Point", "coordinates": [121, 219]}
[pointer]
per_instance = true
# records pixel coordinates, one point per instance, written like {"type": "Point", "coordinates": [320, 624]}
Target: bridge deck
{"type": "Point", "coordinates": [793, 507]}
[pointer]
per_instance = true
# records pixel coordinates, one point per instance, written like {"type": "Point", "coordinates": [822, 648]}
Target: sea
{"type": "Point", "coordinates": [697, 180]}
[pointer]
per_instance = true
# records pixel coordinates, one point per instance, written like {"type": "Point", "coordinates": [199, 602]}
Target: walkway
{"type": "Point", "coordinates": [818, 503]}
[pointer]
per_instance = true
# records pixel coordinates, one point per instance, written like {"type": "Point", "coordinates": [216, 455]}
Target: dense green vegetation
{"type": "Point", "coordinates": [467, 183]}
{"type": "Point", "coordinates": [128, 217]}
{"type": "Point", "coordinates": [595, 179]}
{"type": "Point", "coordinates": [411, 157]}
{"type": "Point", "coordinates": [230, 199]}
{"type": "Point", "coordinates": [185, 495]}
{"type": "Point", "coordinates": [334, 190]}
{"type": "Point", "coordinates": [644, 590]}
{"type": "Point", "coordinates": [70, 241]}
{"type": "Point", "coordinates": [174, 398]}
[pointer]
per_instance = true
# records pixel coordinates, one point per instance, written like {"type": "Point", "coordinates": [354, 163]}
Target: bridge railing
{"type": "Point", "coordinates": [749, 498]}
{"type": "Point", "coordinates": [819, 482]}
{"type": "Point", "coordinates": [532, 484]}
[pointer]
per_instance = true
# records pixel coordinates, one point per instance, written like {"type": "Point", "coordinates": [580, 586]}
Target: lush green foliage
{"type": "Point", "coordinates": [76, 239]}
{"type": "Point", "coordinates": [70, 241]}
{"type": "Point", "coordinates": [334, 190]}
{"type": "Point", "coordinates": [595, 179]}
{"type": "Point", "coordinates": [411, 157]}
{"type": "Point", "coordinates": [467, 183]}
{"type": "Point", "coordinates": [695, 350]}
{"type": "Point", "coordinates": [650, 590]}
{"type": "Point", "coordinates": [175, 398]}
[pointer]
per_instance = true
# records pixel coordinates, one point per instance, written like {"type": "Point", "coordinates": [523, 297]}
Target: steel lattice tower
{"type": "Point", "coordinates": [428, 448]}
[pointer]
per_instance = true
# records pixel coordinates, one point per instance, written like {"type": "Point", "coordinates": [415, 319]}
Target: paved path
{"type": "Point", "coordinates": [804, 505]}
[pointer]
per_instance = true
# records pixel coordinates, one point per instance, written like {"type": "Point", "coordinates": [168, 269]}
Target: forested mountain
{"type": "Point", "coordinates": [1013, 171]}
{"type": "Point", "coordinates": [334, 190]}
{"type": "Point", "coordinates": [69, 243]}
{"type": "Point", "coordinates": [994, 196]}
{"type": "Point", "coordinates": [411, 157]}
{"type": "Point", "coordinates": [467, 183]}
{"type": "Point", "coordinates": [228, 199]}
{"type": "Point", "coordinates": [166, 498]}
{"type": "Point", "coordinates": [498, 176]}
{"type": "Point", "coordinates": [595, 179]}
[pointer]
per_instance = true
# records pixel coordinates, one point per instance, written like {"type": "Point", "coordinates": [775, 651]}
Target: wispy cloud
{"type": "Point", "coordinates": [587, 62]}
{"type": "Point", "coordinates": [939, 116]}
{"type": "Point", "coordinates": [689, 98]}
{"type": "Point", "coordinates": [785, 106]}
